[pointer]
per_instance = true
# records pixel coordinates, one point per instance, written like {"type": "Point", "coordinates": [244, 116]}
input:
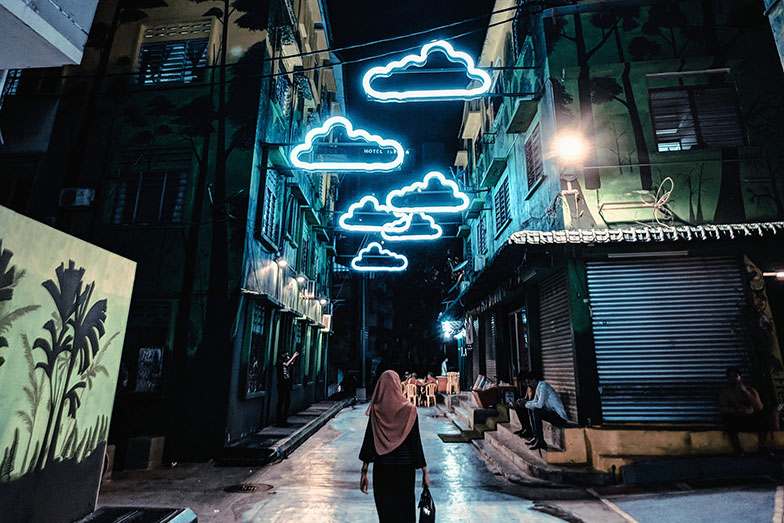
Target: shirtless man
{"type": "Point", "coordinates": [742, 410]}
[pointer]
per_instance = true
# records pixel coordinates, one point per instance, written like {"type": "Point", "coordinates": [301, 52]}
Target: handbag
{"type": "Point", "coordinates": [427, 508]}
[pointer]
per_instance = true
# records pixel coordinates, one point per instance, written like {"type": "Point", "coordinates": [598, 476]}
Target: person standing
{"type": "Point", "coordinates": [444, 368]}
{"type": "Point", "coordinates": [394, 446]}
{"type": "Point", "coordinates": [742, 410]}
{"type": "Point", "coordinates": [284, 388]}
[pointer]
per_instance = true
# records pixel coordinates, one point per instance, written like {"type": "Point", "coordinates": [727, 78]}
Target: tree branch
{"type": "Point", "coordinates": [590, 53]}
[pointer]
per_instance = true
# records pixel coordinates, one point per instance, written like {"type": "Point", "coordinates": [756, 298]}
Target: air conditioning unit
{"type": "Point", "coordinates": [76, 197]}
{"type": "Point", "coordinates": [479, 263]}
{"type": "Point", "coordinates": [310, 290]}
{"type": "Point", "coordinates": [326, 321]}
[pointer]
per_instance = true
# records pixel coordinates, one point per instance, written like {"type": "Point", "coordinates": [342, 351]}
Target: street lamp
{"type": "Point", "coordinates": [570, 148]}
{"type": "Point", "coordinates": [281, 261]}
{"type": "Point", "coordinates": [301, 279]}
{"type": "Point", "coordinates": [323, 301]}
{"type": "Point", "coordinates": [779, 275]}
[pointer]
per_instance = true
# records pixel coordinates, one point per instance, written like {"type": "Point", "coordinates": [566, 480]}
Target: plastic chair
{"type": "Point", "coordinates": [411, 393]}
{"type": "Point", "coordinates": [430, 393]}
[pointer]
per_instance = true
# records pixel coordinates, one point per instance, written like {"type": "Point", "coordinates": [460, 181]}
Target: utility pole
{"type": "Point", "coordinates": [363, 325]}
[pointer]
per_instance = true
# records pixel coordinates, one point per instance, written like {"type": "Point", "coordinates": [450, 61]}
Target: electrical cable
{"type": "Point", "coordinates": [149, 88]}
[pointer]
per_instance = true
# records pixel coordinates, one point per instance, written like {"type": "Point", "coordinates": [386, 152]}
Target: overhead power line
{"type": "Point", "coordinates": [332, 50]}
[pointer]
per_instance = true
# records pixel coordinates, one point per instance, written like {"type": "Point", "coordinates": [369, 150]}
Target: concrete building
{"type": "Point", "coordinates": [630, 201]}
{"type": "Point", "coordinates": [169, 144]}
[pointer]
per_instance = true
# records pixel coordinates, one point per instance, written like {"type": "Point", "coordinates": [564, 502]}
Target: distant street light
{"type": "Point", "coordinates": [281, 261]}
{"type": "Point", "coordinates": [779, 275]}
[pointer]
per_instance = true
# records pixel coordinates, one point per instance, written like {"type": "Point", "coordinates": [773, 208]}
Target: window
{"type": "Point", "coordinates": [12, 79]}
{"type": "Point", "coordinates": [481, 234]}
{"type": "Point", "coordinates": [257, 354]}
{"type": "Point", "coordinates": [304, 263]}
{"type": "Point", "coordinates": [269, 208]}
{"type": "Point", "coordinates": [151, 197]}
{"type": "Point", "coordinates": [299, 346]}
{"type": "Point", "coordinates": [469, 254]}
{"type": "Point", "coordinates": [501, 207]}
{"type": "Point", "coordinates": [292, 217]}
{"type": "Point", "coordinates": [534, 168]}
{"type": "Point", "coordinates": [283, 93]}
{"type": "Point", "coordinates": [695, 116]}
{"type": "Point", "coordinates": [177, 61]}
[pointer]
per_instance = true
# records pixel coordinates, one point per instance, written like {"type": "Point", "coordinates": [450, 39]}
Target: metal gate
{"type": "Point", "coordinates": [665, 331]}
{"type": "Point", "coordinates": [555, 334]}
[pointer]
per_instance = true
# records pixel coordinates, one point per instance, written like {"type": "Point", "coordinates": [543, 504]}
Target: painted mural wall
{"type": "Point", "coordinates": [605, 65]}
{"type": "Point", "coordinates": [63, 312]}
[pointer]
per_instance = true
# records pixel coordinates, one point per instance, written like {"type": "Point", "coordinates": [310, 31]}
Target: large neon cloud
{"type": "Point", "coordinates": [376, 258]}
{"type": "Point", "coordinates": [434, 194]}
{"type": "Point", "coordinates": [388, 70]}
{"type": "Point", "coordinates": [367, 215]}
{"type": "Point", "coordinates": [372, 140]}
{"type": "Point", "coordinates": [412, 227]}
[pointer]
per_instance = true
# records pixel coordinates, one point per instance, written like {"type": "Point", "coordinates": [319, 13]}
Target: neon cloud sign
{"type": "Point", "coordinates": [376, 258]}
{"type": "Point", "coordinates": [412, 227]}
{"type": "Point", "coordinates": [419, 60]}
{"type": "Point", "coordinates": [389, 150]}
{"type": "Point", "coordinates": [434, 194]}
{"type": "Point", "coordinates": [366, 215]}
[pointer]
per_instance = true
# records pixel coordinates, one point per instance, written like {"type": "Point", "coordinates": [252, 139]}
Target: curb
{"type": "Point", "coordinates": [283, 448]}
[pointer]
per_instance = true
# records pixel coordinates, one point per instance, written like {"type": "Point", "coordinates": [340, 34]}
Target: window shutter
{"type": "Point", "coordinates": [534, 168]}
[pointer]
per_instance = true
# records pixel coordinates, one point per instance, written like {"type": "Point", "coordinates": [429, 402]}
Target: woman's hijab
{"type": "Point", "coordinates": [391, 415]}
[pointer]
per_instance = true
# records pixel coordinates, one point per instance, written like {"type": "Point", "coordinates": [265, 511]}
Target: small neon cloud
{"type": "Point", "coordinates": [378, 145]}
{"type": "Point", "coordinates": [412, 227]}
{"type": "Point", "coordinates": [367, 215]}
{"type": "Point", "coordinates": [419, 60]}
{"type": "Point", "coordinates": [376, 258]}
{"type": "Point", "coordinates": [434, 194]}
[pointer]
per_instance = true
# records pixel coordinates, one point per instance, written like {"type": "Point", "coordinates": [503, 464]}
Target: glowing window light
{"type": "Point", "coordinates": [388, 70]}
{"type": "Point", "coordinates": [412, 227]}
{"type": "Point", "coordinates": [371, 139]}
{"type": "Point", "coordinates": [376, 258]}
{"type": "Point", "coordinates": [434, 194]}
{"type": "Point", "coordinates": [372, 210]}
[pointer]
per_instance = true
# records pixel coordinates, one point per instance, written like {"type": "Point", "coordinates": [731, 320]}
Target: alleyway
{"type": "Point", "coordinates": [320, 481]}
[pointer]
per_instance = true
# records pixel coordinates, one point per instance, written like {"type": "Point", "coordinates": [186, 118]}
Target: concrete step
{"type": "Point", "coordinates": [534, 462]}
{"type": "Point", "coordinates": [462, 418]}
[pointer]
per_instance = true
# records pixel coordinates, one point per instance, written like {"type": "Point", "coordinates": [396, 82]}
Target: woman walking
{"type": "Point", "coordinates": [393, 444]}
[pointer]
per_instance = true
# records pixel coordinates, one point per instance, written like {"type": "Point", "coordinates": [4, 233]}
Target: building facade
{"type": "Point", "coordinates": [629, 178]}
{"type": "Point", "coordinates": [168, 145]}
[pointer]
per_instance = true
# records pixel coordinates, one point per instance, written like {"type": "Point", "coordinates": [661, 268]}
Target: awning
{"type": "Point", "coordinates": [269, 300]}
{"type": "Point", "coordinates": [641, 234]}
{"type": "Point", "coordinates": [519, 244]}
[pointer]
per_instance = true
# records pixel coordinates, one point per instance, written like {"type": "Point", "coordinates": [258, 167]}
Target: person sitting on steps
{"type": "Point", "coordinates": [546, 405]}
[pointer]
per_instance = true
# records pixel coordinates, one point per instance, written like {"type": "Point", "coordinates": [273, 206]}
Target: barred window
{"type": "Point", "coordinates": [12, 79]}
{"type": "Point", "coordinates": [151, 197]}
{"type": "Point", "coordinates": [257, 360]}
{"type": "Point", "coordinates": [178, 61]}
{"type": "Point", "coordinates": [534, 168]}
{"type": "Point", "coordinates": [695, 116]}
{"type": "Point", "coordinates": [283, 93]}
{"type": "Point", "coordinates": [304, 264]}
{"type": "Point", "coordinates": [501, 207]}
{"type": "Point", "coordinates": [469, 254]}
{"type": "Point", "coordinates": [481, 234]}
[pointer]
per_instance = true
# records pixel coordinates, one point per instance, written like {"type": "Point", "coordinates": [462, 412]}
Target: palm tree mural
{"type": "Point", "coordinates": [9, 278]}
{"type": "Point", "coordinates": [72, 344]}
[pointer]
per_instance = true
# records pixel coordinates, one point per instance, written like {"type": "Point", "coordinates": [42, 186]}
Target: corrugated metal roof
{"type": "Point", "coordinates": [643, 234]}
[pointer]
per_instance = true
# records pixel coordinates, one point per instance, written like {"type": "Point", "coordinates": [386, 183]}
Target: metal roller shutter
{"type": "Point", "coordinates": [665, 331]}
{"type": "Point", "coordinates": [490, 356]}
{"type": "Point", "coordinates": [555, 332]}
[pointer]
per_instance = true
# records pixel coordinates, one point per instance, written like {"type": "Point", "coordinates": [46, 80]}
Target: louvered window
{"type": "Point", "coordinates": [502, 216]}
{"type": "Point", "coordinates": [305, 255]}
{"type": "Point", "coordinates": [151, 197]}
{"type": "Point", "coordinates": [695, 116]}
{"type": "Point", "coordinates": [481, 234]}
{"type": "Point", "coordinates": [176, 61]}
{"type": "Point", "coordinates": [534, 168]}
{"type": "Point", "coordinates": [269, 208]}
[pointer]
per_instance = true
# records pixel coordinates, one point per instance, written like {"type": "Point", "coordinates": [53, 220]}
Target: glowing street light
{"type": "Point", "coordinates": [570, 148]}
